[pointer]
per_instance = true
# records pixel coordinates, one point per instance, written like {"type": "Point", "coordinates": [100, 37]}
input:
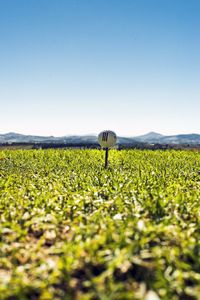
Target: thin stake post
{"type": "Point", "coordinates": [106, 157]}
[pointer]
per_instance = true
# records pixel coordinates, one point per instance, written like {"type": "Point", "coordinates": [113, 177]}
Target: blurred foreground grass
{"type": "Point", "coordinates": [73, 230]}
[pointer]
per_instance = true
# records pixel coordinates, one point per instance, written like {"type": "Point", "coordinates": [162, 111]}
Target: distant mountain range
{"type": "Point", "coordinates": [154, 137]}
{"type": "Point", "coordinates": [149, 138]}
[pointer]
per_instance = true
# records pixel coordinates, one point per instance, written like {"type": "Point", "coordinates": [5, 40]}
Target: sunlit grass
{"type": "Point", "coordinates": [71, 229]}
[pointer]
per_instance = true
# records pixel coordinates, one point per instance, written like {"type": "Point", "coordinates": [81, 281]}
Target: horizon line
{"type": "Point", "coordinates": [95, 134]}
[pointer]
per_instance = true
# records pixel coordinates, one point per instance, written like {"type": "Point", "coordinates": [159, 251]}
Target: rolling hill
{"type": "Point", "coordinates": [149, 138]}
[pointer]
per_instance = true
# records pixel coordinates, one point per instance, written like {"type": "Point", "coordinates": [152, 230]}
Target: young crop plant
{"type": "Point", "coordinates": [71, 229]}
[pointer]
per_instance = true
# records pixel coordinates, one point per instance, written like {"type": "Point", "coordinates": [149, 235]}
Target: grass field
{"type": "Point", "coordinates": [72, 230]}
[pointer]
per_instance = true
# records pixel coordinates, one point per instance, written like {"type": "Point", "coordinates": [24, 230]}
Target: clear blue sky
{"type": "Point", "coordinates": [80, 66]}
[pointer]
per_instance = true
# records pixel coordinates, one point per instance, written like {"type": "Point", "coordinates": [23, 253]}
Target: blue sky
{"type": "Point", "coordinates": [81, 66]}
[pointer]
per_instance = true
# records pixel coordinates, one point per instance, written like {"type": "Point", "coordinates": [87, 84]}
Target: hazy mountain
{"type": "Point", "coordinates": [21, 138]}
{"type": "Point", "coordinates": [13, 137]}
{"type": "Point", "coordinates": [153, 137]}
{"type": "Point", "coordinates": [149, 138]}
{"type": "Point", "coordinates": [181, 139]}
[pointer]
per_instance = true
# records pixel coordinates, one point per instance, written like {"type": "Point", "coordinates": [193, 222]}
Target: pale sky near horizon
{"type": "Point", "coordinates": [78, 67]}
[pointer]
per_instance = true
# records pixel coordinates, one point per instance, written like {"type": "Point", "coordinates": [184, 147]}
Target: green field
{"type": "Point", "coordinates": [71, 229]}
